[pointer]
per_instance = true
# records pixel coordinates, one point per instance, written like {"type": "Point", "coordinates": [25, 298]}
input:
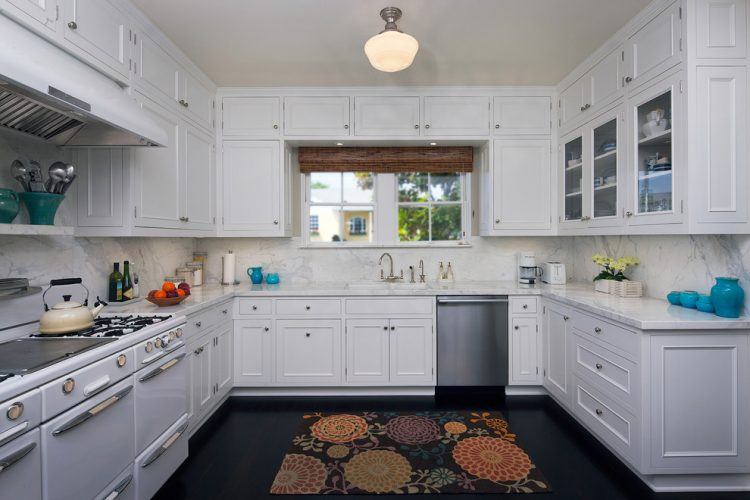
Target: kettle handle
{"type": "Point", "coordinates": [62, 282]}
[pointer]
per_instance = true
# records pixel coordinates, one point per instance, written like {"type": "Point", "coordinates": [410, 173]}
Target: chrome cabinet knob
{"type": "Point", "coordinates": [393, 328]}
{"type": "Point", "coordinates": [15, 411]}
{"type": "Point", "coordinates": [198, 324]}
{"type": "Point", "coordinates": [121, 360]}
{"type": "Point", "coordinates": [416, 126]}
{"type": "Point", "coordinates": [628, 213]}
{"type": "Point", "coordinates": [628, 79]}
{"type": "Point", "coordinates": [276, 127]}
{"type": "Point", "coordinates": [497, 221]}
{"type": "Point", "coordinates": [427, 126]}
{"type": "Point", "coordinates": [525, 306]}
{"type": "Point", "coordinates": [566, 318]}
{"type": "Point", "coordinates": [346, 127]}
{"type": "Point", "coordinates": [307, 334]}
{"type": "Point", "coordinates": [197, 352]}
{"type": "Point", "coordinates": [497, 125]}
{"type": "Point", "coordinates": [276, 222]}
{"type": "Point", "coordinates": [224, 311]}
{"type": "Point", "coordinates": [255, 308]}
{"type": "Point", "coordinates": [385, 328]}
{"type": "Point", "coordinates": [266, 329]}
{"type": "Point", "coordinates": [307, 308]}
{"type": "Point", "coordinates": [599, 412]}
{"type": "Point", "coordinates": [599, 366]}
{"type": "Point", "coordinates": [516, 327]}
{"type": "Point", "coordinates": [73, 25]}
{"type": "Point", "coordinates": [597, 330]}
{"type": "Point", "coordinates": [68, 385]}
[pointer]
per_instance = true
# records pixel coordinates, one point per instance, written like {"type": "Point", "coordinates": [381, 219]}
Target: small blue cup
{"type": "Point", "coordinates": [704, 304]}
{"type": "Point", "coordinates": [272, 278]}
{"type": "Point", "coordinates": [674, 298]}
{"type": "Point", "coordinates": [689, 299]}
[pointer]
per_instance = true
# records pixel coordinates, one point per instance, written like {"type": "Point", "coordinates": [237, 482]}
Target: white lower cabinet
{"type": "Point", "coordinates": [253, 352]}
{"type": "Point", "coordinates": [223, 359]}
{"type": "Point", "coordinates": [367, 350]}
{"type": "Point", "coordinates": [524, 351]}
{"type": "Point", "coordinates": [201, 382]}
{"type": "Point", "coordinates": [411, 348]}
{"type": "Point", "coordinates": [556, 330]}
{"type": "Point", "coordinates": [308, 352]}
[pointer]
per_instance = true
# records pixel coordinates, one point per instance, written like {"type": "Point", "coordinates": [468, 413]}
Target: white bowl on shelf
{"type": "Point", "coordinates": [654, 127]}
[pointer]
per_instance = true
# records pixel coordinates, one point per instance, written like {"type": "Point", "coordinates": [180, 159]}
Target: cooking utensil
{"type": "Point", "coordinates": [68, 316]}
{"type": "Point", "coordinates": [56, 176]}
{"type": "Point", "coordinates": [18, 172]}
{"type": "Point", "coordinates": [69, 176]}
{"type": "Point", "coordinates": [36, 182]}
{"type": "Point", "coordinates": [66, 183]}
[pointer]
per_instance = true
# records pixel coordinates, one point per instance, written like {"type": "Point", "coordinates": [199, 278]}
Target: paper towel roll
{"type": "Point", "coordinates": [227, 273]}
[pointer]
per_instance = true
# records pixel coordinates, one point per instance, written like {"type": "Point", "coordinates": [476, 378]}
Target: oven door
{"type": "Point", "coordinates": [159, 461]}
{"type": "Point", "coordinates": [21, 468]}
{"type": "Point", "coordinates": [160, 397]}
{"type": "Point", "coordinates": [86, 446]}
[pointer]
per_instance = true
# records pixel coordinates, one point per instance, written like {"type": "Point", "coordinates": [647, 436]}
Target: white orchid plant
{"type": "Point", "coordinates": [613, 269]}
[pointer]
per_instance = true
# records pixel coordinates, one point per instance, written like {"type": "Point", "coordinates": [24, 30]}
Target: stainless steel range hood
{"type": "Point", "coordinates": [47, 93]}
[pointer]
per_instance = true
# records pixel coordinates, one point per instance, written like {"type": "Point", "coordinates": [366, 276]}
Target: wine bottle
{"type": "Point", "coordinates": [115, 284]}
{"type": "Point", "coordinates": [127, 283]}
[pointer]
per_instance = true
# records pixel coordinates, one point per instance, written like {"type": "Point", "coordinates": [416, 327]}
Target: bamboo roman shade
{"type": "Point", "coordinates": [382, 160]}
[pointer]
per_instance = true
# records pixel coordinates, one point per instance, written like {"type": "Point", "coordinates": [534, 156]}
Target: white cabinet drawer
{"type": "Point", "coordinates": [254, 307]}
{"type": "Point", "coordinates": [199, 323]}
{"type": "Point", "coordinates": [617, 337]}
{"type": "Point", "coordinates": [391, 306]}
{"type": "Point", "coordinates": [523, 305]}
{"type": "Point", "coordinates": [612, 424]}
{"type": "Point", "coordinates": [615, 375]}
{"type": "Point", "coordinates": [308, 307]}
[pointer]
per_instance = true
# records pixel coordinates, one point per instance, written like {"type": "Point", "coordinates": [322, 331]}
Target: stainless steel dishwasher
{"type": "Point", "coordinates": [472, 341]}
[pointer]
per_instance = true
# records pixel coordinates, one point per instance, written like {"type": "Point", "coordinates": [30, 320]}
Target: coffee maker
{"type": "Point", "coordinates": [528, 271]}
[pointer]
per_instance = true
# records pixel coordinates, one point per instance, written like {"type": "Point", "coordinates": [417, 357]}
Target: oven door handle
{"type": "Point", "coordinates": [161, 369]}
{"type": "Point", "coordinates": [92, 412]}
{"type": "Point", "coordinates": [121, 486]}
{"type": "Point", "coordinates": [163, 448]}
{"type": "Point", "coordinates": [7, 462]}
{"type": "Point", "coordinates": [13, 432]}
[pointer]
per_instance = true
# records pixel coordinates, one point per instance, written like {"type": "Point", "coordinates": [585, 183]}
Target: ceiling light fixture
{"type": "Point", "coordinates": [391, 50]}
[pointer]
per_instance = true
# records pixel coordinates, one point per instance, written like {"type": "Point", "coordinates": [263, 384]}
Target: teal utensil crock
{"type": "Point", "coordinates": [42, 207]}
{"type": "Point", "coordinates": [728, 297]}
{"type": "Point", "coordinates": [256, 275]}
{"type": "Point", "coordinates": [9, 205]}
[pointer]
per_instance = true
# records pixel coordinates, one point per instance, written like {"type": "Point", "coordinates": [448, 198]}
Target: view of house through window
{"type": "Point", "coordinates": [342, 207]}
{"type": "Point", "coordinates": [429, 207]}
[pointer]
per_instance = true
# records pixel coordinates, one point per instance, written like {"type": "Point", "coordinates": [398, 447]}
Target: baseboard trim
{"type": "Point", "coordinates": [525, 390]}
{"type": "Point", "coordinates": [331, 391]}
{"type": "Point", "coordinates": [684, 483]}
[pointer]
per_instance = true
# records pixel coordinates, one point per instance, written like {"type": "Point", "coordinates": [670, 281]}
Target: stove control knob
{"type": "Point", "coordinates": [178, 333]}
{"type": "Point", "coordinates": [15, 411]}
{"type": "Point", "coordinates": [165, 341]}
{"type": "Point", "coordinates": [149, 347]}
{"type": "Point", "coordinates": [68, 385]}
{"type": "Point", "coordinates": [121, 360]}
{"type": "Point", "coordinates": [158, 343]}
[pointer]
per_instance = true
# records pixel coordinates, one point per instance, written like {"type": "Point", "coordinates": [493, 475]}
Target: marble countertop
{"type": "Point", "coordinates": [643, 313]}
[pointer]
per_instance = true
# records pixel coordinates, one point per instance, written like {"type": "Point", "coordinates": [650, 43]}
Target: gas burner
{"type": "Point", "coordinates": [115, 326]}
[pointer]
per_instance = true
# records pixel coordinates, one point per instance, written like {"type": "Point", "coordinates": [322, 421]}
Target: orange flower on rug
{"type": "Point", "coordinates": [415, 453]}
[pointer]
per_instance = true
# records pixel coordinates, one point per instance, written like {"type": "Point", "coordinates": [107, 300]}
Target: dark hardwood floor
{"type": "Point", "coordinates": [236, 454]}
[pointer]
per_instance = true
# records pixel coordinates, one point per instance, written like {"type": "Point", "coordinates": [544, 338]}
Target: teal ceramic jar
{"type": "Point", "coordinates": [728, 297]}
{"type": "Point", "coordinates": [9, 205]}
{"type": "Point", "coordinates": [42, 207]}
{"type": "Point", "coordinates": [256, 275]}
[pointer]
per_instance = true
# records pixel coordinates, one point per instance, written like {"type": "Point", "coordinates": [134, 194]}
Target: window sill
{"type": "Point", "coordinates": [344, 246]}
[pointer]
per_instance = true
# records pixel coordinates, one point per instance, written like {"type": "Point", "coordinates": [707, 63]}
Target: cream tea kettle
{"type": "Point", "coordinates": [68, 316]}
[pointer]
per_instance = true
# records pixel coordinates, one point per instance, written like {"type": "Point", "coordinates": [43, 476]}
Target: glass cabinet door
{"type": "Point", "coordinates": [654, 181]}
{"type": "Point", "coordinates": [605, 161]}
{"type": "Point", "coordinates": [573, 180]}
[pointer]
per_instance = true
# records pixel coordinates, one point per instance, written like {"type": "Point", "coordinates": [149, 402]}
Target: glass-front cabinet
{"type": "Point", "coordinates": [591, 170]}
{"type": "Point", "coordinates": [654, 163]}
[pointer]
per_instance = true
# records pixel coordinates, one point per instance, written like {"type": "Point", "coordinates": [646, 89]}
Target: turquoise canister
{"type": "Point", "coordinates": [256, 275]}
{"type": "Point", "coordinates": [704, 304]}
{"type": "Point", "coordinates": [728, 297]}
{"type": "Point", "coordinates": [9, 205]}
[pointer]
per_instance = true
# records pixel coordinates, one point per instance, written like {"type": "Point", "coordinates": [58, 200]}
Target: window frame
{"type": "Point", "coordinates": [429, 204]}
{"type": "Point", "coordinates": [385, 216]}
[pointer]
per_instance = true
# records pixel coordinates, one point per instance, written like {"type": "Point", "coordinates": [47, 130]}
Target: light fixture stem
{"type": "Point", "coordinates": [390, 15]}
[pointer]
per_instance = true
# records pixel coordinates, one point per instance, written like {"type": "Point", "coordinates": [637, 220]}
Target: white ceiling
{"type": "Point", "coordinates": [319, 42]}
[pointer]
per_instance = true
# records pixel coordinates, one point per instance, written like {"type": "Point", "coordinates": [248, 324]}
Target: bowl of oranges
{"type": "Point", "coordinates": [169, 294]}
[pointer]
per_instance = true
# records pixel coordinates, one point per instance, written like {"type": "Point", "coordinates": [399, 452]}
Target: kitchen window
{"type": "Point", "coordinates": [341, 207]}
{"type": "Point", "coordinates": [430, 207]}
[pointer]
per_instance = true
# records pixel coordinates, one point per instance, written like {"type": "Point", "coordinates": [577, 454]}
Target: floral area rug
{"type": "Point", "coordinates": [426, 452]}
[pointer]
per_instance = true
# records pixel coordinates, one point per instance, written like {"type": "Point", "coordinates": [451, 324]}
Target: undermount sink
{"type": "Point", "coordinates": [386, 285]}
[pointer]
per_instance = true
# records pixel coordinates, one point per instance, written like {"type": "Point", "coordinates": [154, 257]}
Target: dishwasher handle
{"type": "Point", "coordinates": [472, 301]}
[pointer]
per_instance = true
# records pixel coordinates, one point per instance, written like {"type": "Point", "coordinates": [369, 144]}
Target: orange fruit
{"type": "Point", "coordinates": [168, 286]}
{"type": "Point", "coordinates": [180, 292]}
{"type": "Point", "coordinates": [160, 294]}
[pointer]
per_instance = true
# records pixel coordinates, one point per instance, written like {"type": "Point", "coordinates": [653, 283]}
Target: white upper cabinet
{"type": "Point", "coordinates": [522, 115]}
{"type": "Point", "coordinates": [251, 172]}
{"type": "Point", "coordinates": [196, 99]}
{"type": "Point", "coordinates": [316, 116]}
{"type": "Point", "coordinates": [721, 188]}
{"type": "Point", "coordinates": [197, 177]}
{"type": "Point", "coordinates": [447, 116]}
{"type": "Point", "coordinates": [367, 350]}
{"type": "Point", "coordinates": [251, 117]}
{"type": "Point", "coordinates": [155, 70]}
{"type": "Point", "coordinates": [157, 173]}
{"type": "Point", "coordinates": [655, 47]}
{"type": "Point", "coordinates": [721, 29]}
{"type": "Point", "coordinates": [99, 29]}
{"type": "Point", "coordinates": [100, 185]}
{"type": "Point", "coordinates": [411, 351]}
{"type": "Point", "coordinates": [37, 14]}
{"type": "Point", "coordinates": [521, 184]}
{"type": "Point", "coordinates": [386, 116]}
{"type": "Point", "coordinates": [605, 80]}
{"type": "Point", "coordinates": [571, 105]}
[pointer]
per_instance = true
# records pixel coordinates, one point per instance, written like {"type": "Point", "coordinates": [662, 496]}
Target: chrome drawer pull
{"type": "Point", "coordinates": [96, 410]}
{"type": "Point", "coordinates": [167, 444]}
{"type": "Point", "coordinates": [97, 386]}
{"type": "Point", "coordinates": [599, 412]}
{"type": "Point", "coordinates": [599, 366]}
{"type": "Point", "coordinates": [566, 318]}
{"type": "Point", "coordinates": [597, 330]}
{"type": "Point", "coordinates": [158, 371]}
{"type": "Point", "coordinates": [121, 486]}
{"type": "Point", "coordinates": [7, 462]}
